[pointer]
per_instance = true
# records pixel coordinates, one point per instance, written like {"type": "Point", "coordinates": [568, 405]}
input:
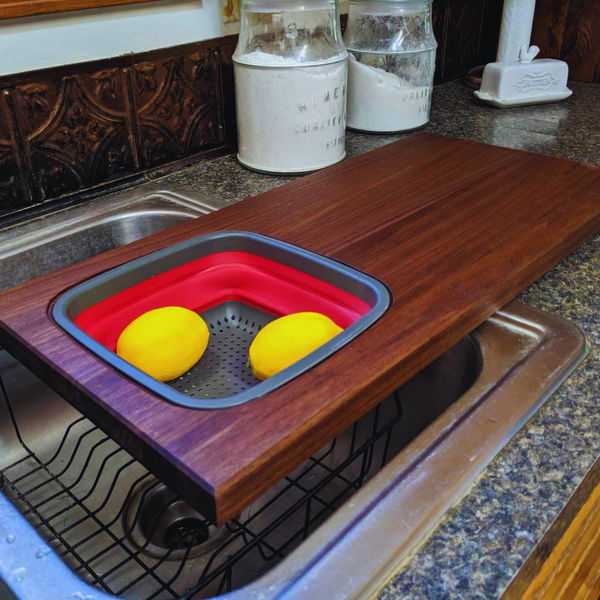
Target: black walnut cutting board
{"type": "Point", "coordinates": [455, 229]}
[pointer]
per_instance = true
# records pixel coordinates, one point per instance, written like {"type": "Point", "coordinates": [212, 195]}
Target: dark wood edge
{"type": "Point", "coordinates": [13, 9]}
{"type": "Point", "coordinates": [150, 456]}
{"type": "Point", "coordinates": [185, 48]}
{"type": "Point", "coordinates": [127, 60]}
{"type": "Point", "coordinates": [92, 66]}
{"type": "Point", "coordinates": [544, 548]}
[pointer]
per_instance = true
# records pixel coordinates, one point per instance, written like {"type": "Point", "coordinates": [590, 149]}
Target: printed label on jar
{"type": "Point", "coordinates": [383, 101]}
{"type": "Point", "coordinates": [411, 96]}
{"type": "Point", "coordinates": [291, 119]}
{"type": "Point", "coordinates": [316, 126]}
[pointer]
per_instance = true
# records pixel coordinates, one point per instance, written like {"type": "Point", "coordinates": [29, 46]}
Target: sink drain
{"type": "Point", "coordinates": [160, 523]}
{"type": "Point", "coordinates": [185, 533]}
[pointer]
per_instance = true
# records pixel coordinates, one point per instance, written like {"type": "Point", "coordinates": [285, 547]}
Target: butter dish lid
{"type": "Point", "coordinates": [526, 81]}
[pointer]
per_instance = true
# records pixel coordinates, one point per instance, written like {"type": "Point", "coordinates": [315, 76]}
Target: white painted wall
{"type": "Point", "coordinates": [50, 40]}
{"type": "Point", "coordinates": [34, 43]}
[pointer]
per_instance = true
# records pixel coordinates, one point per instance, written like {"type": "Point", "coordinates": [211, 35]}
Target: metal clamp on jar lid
{"type": "Point", "coordinates": [290, 78]}
{"type": "Point", "coordinates": [392, 62]}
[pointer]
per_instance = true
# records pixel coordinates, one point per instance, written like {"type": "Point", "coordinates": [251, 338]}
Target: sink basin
{"type": "Point", "coordinates": [78, 513]}
{"type": "Point", "coordinates": [54, 241]}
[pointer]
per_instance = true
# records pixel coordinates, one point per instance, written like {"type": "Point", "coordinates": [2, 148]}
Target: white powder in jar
{"type": "Point", "coordinates": [291, 117]}
{"type": "Point", "coordinates": [380, 101]}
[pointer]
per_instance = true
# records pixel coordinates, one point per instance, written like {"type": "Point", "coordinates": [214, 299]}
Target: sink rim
{"type": "Point", "coordinates": [338, 555]}
{"type": "Point", "coordinates": [65, 222]}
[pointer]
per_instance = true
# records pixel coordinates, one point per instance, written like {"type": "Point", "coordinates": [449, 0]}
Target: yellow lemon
{"type": "Point", "coordinates": [288, 339]}
{"type": "Point", "coordinates": [165, 342]}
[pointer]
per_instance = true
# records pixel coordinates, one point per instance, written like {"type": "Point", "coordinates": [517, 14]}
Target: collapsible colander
{"type": "Point", "coordinates": [238, 282]}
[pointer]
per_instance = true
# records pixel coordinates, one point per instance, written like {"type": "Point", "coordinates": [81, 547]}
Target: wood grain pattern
{"type": "Point", "coordinates": [455, 228]}
{"type": "Point", "coordinates": [569, 30]}
{"type": "Point", "coordinates": [11, 9]}
{"type": "Point", "coordinates": [566, 562]}
{"type": "Point", "coordinates": [462, 37]}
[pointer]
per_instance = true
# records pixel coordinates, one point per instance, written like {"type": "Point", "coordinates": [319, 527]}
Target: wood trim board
{"type": "Point", "coordinates": [11, 9]}
{"type": "Point", "coordinates": [454, 228]}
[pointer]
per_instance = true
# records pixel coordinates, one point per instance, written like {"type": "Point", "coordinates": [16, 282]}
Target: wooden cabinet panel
{"type": "Point", "coordinates": [566, 562]}
{"type": "Point", "coordinates": [569, 30]}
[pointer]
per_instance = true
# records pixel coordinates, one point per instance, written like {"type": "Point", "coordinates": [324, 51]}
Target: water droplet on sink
{"type": "Point", "coordinates": [6, 516]}
{"type": "Point", "coordinates": [42, 551]}
{"type": "Point", "coordinates": [10, 539]}
{"type": "Point", "coordinates": [18, 574]}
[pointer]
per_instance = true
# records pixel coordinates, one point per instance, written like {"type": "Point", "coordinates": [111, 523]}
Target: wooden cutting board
{"type": "Point", "coordinates": [455, 229]}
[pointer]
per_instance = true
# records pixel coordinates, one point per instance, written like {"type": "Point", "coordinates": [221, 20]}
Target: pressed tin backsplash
{"type": "Point", "coordinates": [62, 132]}
{"type": "Point", "coordinates": [71, 129]}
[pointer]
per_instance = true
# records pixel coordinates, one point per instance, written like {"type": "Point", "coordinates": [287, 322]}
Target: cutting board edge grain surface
{"type": "Point", "coordinates": [454, 228]}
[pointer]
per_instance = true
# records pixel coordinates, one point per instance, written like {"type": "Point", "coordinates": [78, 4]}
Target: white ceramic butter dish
{"type": "Point", "coordinates": [523, 82]}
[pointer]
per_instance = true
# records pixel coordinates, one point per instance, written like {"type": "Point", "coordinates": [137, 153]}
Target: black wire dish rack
{"type": "Point", "coordinates": [122, 530]}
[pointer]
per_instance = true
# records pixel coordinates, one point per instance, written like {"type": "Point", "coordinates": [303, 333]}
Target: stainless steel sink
{"type": "Point", "coordinates": [79, 518]}
{"type": "Point", "coordinates": [60, 239]}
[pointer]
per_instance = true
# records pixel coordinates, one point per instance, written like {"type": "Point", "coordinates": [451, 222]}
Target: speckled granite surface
{"type": "Point", "coordinates": [484, 540]}
{"type": "Point", "coordinates": [568, 130]}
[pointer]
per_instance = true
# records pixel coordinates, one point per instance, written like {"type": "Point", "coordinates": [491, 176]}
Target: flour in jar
{"type": "Point", "coordinates": [291, 116]}
{"type": "Point", "coordinates": [381, 101]}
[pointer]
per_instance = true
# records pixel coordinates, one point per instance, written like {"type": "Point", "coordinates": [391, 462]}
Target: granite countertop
{"type": "Point", "coordinates": [486, 537]}
{"type": "Point", "coordinates": [567, 130]}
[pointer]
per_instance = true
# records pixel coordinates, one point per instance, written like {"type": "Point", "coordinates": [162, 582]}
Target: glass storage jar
{"type": "Point", "coordinates": [391, 64]}
{"type": "Point", "coordinates": [290, 80]}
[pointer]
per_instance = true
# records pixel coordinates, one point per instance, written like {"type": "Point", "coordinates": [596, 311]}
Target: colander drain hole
{"type": "Point", "coordinates": [222, 371]}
